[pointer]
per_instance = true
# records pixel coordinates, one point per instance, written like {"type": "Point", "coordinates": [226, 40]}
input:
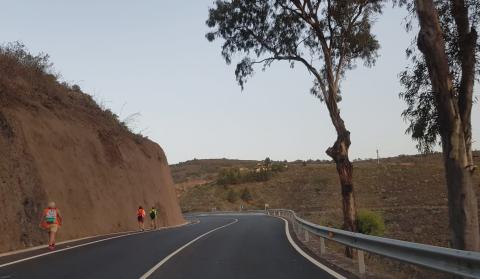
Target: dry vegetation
{"type": "Point", "coordinates": [409, 191]}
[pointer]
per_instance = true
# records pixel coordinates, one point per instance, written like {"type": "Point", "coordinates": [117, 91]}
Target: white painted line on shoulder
{"type": "Point", "coordinates": [83, 244]}
{"type": "Point", "coordinates": [162, 262]}
{"type": "Point", "coordinates": [308, 257]}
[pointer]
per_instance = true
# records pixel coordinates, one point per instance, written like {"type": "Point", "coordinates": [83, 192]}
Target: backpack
{"type": "Point", "coordinates": [153, 213]}
{"type": "Point", "coordinates": [51, 216]}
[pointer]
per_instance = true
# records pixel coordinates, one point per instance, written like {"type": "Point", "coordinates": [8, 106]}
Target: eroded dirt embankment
{"type": "Point", "coordinates": [57, 144]}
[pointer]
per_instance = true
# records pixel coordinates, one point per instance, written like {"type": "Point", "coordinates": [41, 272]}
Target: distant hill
{"type": "Point", "coordinates": [409, 191]}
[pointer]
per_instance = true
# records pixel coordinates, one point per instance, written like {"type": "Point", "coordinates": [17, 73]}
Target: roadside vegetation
{"type": "Point", "coordinates": [370, 223]}
{"type": "Point", "coordinates": [16, 58]}
{"type": "Point", "coordinates": [408, 192]}
{"type": "Point", "coordinates": [261, 172]}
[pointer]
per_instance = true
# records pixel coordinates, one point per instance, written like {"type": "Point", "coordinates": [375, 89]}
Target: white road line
{"type": "Point", "coordinates": [162, 262]}
{"type": "Point", "coordinates": [81, 245]}
{"type": "Point", "coordinates": [308, 257]}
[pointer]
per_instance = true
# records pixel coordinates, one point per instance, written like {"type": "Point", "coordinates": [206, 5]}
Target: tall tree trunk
{"type": "Point", "coordinates": [462, 200]}
{"type": "Point", "coordinates": [467, 40]}
{"type": "Point", "coordinates": [339, 153]}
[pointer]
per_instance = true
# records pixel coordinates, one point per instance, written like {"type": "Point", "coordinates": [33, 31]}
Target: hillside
{"type": "Point", "coordinates": [57, 144]}
{"type": "Point", "coordinates": [197, 172]}
{"type": "Point", "coordinates": [409, 191]}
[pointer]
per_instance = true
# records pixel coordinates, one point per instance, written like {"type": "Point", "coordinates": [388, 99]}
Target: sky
{"type": "Point", "coordinates": [151, 58]}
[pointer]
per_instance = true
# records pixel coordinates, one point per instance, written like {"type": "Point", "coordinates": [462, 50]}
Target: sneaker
{"type": "Point", "coordinates": [51, 247]}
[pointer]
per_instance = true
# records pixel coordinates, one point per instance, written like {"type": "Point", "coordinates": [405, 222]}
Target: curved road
{"type": "Point", "coordinates": [227, 246]}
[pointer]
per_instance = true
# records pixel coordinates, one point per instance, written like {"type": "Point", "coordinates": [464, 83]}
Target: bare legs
{"type": "Point", "coordinates": [153, 223]}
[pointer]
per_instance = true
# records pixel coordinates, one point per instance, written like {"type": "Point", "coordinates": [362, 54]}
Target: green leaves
{"type": "Point", "coordinates": [421, 112]}
{"type": "Point", "coordinates": [323, 35]}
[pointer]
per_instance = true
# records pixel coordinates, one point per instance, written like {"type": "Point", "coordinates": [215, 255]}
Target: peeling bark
{"type": "Point", "coordinates": [455, 126]}
{"type": "Point", "coordinates": [339, 153]}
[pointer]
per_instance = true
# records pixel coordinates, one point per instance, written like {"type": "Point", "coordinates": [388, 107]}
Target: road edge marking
{"type": "Point", "coordinates": [83, 244]}
{"type": "Point", "coordinates": [308, 257]}
{"type": "Point", "coordinates": [164, 260]}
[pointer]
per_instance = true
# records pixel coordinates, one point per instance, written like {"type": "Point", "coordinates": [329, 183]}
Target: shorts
{"type": "Point", "coordinates": [140, 219]}
{"type": "Point", "coordinates": [52, 228]}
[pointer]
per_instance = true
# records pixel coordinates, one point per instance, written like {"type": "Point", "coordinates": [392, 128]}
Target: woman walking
{"type": "Point", "coordinates": [141, 217]}
{"type": "Point", "coordinates": [51, 221]}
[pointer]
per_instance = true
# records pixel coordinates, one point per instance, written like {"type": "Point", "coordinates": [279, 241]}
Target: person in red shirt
{"type": "Point", "coordinates": [141, 217]}
{"type": "Point", "coordinates": [51, 221]}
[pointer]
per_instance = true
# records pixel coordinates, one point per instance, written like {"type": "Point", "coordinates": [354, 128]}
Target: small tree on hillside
{"type": "Point", "coordinates": [327, 37]}
{"type": "Point", "coordinates": [439, 94]}
{"type": "Point", "coordinates": [267, 162]}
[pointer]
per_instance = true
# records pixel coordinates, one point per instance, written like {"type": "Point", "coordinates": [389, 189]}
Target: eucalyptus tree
{"type": "Point", "coordinates": [327, 37]}
{"type": "Point", "coordinates": [439, 94]}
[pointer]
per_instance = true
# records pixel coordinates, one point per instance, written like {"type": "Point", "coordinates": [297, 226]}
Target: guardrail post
{"type": "Point", "coordinates": [361, 262]}
{"type": "Point", "coordinates": [307, 237]}
{"type": "Point", "coordinates": [322, 246]}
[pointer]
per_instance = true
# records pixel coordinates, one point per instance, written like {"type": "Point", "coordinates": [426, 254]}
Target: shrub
{"type": "Point", "coordinates": [229, 176]}
{"type": "Point", "coordinates": [278, 167]}
{"type": "Point", "coordinates": [17, 50]}
{"type": "Point", "coordinates": [233, 175]}
{"type": "Point", "coordinates": [246, 196]}
{"type": "Point", "coordinates": [370, 223]}
{"type": "Point", "coordinates": [232, 196]}
{"type": "Point", "coordinates": [256, 175]}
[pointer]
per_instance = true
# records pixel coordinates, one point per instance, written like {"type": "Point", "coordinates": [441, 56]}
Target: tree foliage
{"type": "Point", "coordinates": [421, 112]}
{"type": "Point", "coordinates": [327, 37]}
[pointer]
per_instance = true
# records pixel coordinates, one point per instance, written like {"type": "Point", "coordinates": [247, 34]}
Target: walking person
{"type": "Point", "coordinates": [51, 221]}
{"type": "Point", "coordinates": [141, 217]}
{"type": "Point", "coordinates": [153, 218]}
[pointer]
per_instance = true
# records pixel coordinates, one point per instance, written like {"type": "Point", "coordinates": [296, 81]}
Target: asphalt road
{"type": "Point", "coordinates": [255, 246]}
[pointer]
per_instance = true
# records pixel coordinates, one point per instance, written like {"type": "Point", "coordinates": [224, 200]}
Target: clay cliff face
{"type": "Point", "coordinates": [57, 144]}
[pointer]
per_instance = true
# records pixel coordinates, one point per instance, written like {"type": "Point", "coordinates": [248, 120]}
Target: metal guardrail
{"type": "Point", "coordinates": [457, 262]}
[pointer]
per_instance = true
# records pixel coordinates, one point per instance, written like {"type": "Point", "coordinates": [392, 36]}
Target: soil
{"type": "Point", "coordinates": [57, 144]}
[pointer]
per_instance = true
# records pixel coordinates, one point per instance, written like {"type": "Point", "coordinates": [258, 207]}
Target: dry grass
{"type": "Point", "coordinates": [409, 191]}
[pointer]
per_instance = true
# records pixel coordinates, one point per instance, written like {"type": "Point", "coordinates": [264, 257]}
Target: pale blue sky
{"type": "Point", "coordinates": [152, 57]}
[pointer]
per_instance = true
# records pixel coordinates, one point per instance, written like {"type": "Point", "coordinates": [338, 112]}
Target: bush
{"type": "Point", "coordinates": [278, 167]}
{"type": "Point", "coordinates": [246, 196]}
{"type": "Point", "coordinates": [232, 196]}
{"type": "Point", "coordinates": [233, 175]}
{"type": "Point", "coordinates": [229, 176]}
{"type": "Point", "coordinates": [18, 51]}
{"type": "Point", "coordinates": [370, 223]}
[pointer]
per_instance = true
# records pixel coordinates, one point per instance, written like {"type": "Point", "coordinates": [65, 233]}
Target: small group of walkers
{"type": "Point", "coordinates": [52, 220]}
{"type": "Point", "coordinates": [141, 218]}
